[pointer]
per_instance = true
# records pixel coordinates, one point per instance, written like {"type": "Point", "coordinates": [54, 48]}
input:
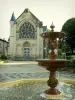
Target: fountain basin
{"type": "Point", "coordinates": [52, 63]}
{"type": "Point", "coordinates": [52, 34]}
{"type": "Point", "coordinates": [32, 88]}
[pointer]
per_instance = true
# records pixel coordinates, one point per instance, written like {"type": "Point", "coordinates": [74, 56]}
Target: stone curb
{"type": "Point", "coordinates": [16, 63]}
{"type": "Point", "coordinates": [1, 62]}
{"type": "Point", "coordinates": [23, 81]}
{"type": "Point", "coordinates": [69, 81]}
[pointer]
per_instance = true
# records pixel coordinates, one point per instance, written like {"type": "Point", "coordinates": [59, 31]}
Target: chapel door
{"type": "Point", "coordinates": [26, 52]}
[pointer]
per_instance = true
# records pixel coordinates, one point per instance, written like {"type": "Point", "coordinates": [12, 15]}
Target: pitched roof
{"type": "Point", "coordinates": [4, 40]}
{"type": "Point", "coordinates": [26, 11]}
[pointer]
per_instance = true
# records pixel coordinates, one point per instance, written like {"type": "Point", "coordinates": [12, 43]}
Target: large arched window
{"type": "Point", "coordinates": [27, 30]}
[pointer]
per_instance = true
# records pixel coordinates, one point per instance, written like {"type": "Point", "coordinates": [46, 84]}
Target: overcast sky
{"type": "Point", "coordinates": [47, 11]}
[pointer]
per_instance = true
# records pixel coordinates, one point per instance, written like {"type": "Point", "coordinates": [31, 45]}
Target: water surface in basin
{"type": "Point", "coordinates": [32, 90]}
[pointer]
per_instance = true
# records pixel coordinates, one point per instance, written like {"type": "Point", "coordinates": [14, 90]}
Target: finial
{"type": "Point", "coordinates": [52, 27]}
{"type": "Point", "coordinates": [26, 10]}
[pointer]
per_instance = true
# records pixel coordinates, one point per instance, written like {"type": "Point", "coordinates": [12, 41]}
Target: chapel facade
{"type": "Point", "coordinates": [25, 40]}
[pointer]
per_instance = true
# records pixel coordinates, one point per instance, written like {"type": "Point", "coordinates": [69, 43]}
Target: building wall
{"type": "Point", "coordinates": [3, 47]}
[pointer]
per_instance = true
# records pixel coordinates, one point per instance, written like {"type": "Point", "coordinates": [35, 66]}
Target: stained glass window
{"type": "Point", "coordinates": [27, 30]}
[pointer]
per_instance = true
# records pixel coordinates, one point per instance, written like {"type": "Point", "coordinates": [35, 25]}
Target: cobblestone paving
{"type": "Point", "coordinates": [19, 71]}
{"type": "Point", "coordinates": [14, 76]}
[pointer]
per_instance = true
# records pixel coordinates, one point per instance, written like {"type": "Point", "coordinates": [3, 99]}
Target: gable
{"type": "Point", "coordinates": [27, 15]}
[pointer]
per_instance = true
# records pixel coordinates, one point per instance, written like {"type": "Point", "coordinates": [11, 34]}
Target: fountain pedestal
{"type": "Point", "coordinates": [52, 83]}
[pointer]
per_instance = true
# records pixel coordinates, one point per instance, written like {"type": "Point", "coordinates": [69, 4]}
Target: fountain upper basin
{"type": "Point", "coordinates": [56, 63]}
{"type": "Point", "coordinates": [52, 34]}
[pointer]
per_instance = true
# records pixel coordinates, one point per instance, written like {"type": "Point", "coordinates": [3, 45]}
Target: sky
{"type": "Point", "coordinates": [47, 11]}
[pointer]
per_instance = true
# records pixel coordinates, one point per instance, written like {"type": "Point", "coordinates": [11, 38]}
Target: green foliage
{"type": "Point", "coordinates": [59, 55]}
{"type": "Point", "coordinates": [69, 29]}
{"type": "Point", "coordinates": [59, 44]}
{"type": "Point", "coordinates": [68, 57]}
{"type": "Point", "coordinates": [73, 63]}
{"type": "Point", "coordinates": [59, 52]}
{"type": "Point", "coordinates": [64, 47]}
{"type": "Point", "coordinates": [3, 57]}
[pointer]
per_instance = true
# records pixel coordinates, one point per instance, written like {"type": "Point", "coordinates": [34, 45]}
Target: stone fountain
{"type": "Point", "coordinates": [52, 64]}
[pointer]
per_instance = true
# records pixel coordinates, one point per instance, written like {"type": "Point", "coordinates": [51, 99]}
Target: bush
{"type": "Point", "coordinates": [3, 57]}
{"type": "Point", "coordinates": [68, 57]}
{"type": "Point", "coordinates": [73, 62]}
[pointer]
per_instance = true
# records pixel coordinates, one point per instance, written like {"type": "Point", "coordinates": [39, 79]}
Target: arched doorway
{"type": "Point", "coordinates": [26, 49]}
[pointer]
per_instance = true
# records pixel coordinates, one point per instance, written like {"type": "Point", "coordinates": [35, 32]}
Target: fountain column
{"type": "Point", "coordinates": [52, 83]}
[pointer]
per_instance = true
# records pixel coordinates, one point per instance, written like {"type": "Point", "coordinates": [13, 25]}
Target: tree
{"type": "Point", "coordinates": [69, 29]}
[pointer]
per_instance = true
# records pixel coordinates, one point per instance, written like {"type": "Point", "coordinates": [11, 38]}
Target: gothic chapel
{"type": "Point", "coordinates": [25, 40]}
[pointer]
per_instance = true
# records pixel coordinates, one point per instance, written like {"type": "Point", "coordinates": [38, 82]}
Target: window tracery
{"type": "Point", "coordinates": [27, 30]}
